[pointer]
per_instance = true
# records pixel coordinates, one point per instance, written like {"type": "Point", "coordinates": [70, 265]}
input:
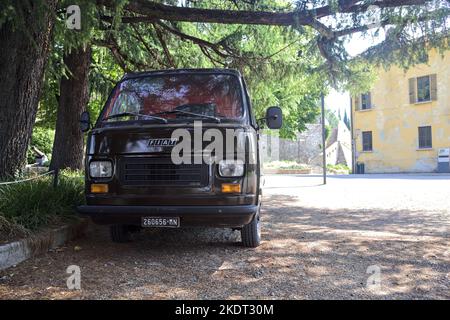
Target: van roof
{"type": "Point", "coordinates": [180, 71]}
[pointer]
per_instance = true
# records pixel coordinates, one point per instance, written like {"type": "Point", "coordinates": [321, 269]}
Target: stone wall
{"type": "Point", "coordinates": [304, 149]}
{"type": "Point", "coordinates": [307, 147]}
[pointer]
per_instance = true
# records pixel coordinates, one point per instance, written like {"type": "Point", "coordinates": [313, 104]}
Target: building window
{"type": "Point", "coordinates": [365, 101]}
{"type": "Point", "coordinates": [425, 140]}
{"type": "Point", "coordinates": [423, 89]}
{"type": "Point", "coordinates": [367, 140]}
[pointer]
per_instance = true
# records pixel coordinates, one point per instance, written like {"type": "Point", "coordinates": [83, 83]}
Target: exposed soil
{"type": "Point", "coordinates": [320, 242]}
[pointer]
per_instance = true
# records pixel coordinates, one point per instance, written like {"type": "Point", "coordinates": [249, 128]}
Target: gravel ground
{"type": "Point", "coordinates": [358, 237]}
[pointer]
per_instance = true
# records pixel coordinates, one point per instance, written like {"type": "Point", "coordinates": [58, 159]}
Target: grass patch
{"type": "Point", "coordinates": [28, 206]}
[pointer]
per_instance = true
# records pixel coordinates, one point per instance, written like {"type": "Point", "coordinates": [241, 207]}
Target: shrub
{"type": "Point", "coordinates": [42, 139]}
{"type": "Point", "coordinates": [30, 205]}
{"type": "Point", "coordinates": [338, 168]}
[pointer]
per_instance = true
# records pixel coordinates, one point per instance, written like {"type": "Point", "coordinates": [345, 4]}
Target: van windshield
{"type": "Point", "coordinates": [172, 97]}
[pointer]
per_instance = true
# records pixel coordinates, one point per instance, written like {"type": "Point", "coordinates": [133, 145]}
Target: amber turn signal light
{"type": "Point", "coordinates": [99, 188]}
{"type": "Point", "coordinates": [231, 187]}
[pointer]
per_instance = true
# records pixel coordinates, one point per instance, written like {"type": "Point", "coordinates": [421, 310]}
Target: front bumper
{"type": "Point", "coordinates": [211, 216]}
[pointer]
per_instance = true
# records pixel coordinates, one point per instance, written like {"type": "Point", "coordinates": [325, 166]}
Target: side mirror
{"type": "Point", "coordinates": [85, 121]}
{"type": "Point", "coordinates": [274, 118]}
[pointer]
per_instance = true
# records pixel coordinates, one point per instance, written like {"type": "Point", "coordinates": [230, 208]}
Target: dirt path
{"type": "Point", "coordinates": [319, 242]}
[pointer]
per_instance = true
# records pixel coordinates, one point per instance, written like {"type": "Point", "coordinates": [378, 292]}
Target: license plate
{"type": "Point", "coordinates": [160, 222]}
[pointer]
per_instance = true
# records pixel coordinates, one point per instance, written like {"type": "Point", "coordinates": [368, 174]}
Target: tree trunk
{"type": "Point", "coordinates": [73, 98]}
{"type": "Point", "coordinates": [23, 57]}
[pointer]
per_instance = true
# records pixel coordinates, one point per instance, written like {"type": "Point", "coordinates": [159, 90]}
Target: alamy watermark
{"type": "Point", "coordinates": [374, 16]}
{"type": "Point", "coordinates": [212, 145]}
{"type": "Point", "coordinates": [74, 280]}
{"type": "Point", "coordinates": [374, 280]}
{"type": "Point", "coordinates": [73, 20]}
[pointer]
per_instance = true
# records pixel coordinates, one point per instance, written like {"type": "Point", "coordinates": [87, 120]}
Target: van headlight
{"type": "Point", "coordinates": [231, 168]}
{"type": "Point", "coordinates": [100, 169]}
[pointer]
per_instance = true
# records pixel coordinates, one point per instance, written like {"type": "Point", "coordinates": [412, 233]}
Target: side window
{"type": "Point", "coordinates": [366, 101]}
{"type": "Point", "coordinates": [367, 140]}
{"type": "Point", "coordinates": [127, 101]}
{"type": "Point", "coordinates": [423, 89]}
{"type": "Point", "coordinates": [425, 137]}
{"type": "Point", "coordinates": [249, 103]}
{"type": "Point", "coordinates": [363, 101]}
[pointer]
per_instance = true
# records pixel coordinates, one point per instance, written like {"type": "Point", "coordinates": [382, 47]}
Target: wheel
{"type": "Point", "coordinates": [120, 233]}
{"type": "Point", "coordinates": [251, 233]}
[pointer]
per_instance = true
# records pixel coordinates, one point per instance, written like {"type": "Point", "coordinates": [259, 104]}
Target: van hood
{"type": "Point", "coordinates": [152, 139]}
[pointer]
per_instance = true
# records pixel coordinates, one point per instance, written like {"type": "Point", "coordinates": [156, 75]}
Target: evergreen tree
{"type": "Point", "coordinates": [290, 53]}
{"type": "Point", "coordinates": [25, 35]}
{"type": "Point", "coordinates": [347, 120]}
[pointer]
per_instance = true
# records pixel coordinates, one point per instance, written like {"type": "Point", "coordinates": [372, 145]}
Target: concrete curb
{"type": "Point", "coordinates": [16, 252]}
{"type": "Point", "coordinates": [287, 171]}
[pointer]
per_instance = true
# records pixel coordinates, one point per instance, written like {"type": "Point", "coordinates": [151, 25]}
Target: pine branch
{"type": "Point", "coordinates": [150, 11]}
{"type": "Point", "coordinates": [160, 36]}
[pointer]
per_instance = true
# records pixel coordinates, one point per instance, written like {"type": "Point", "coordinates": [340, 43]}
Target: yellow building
{"type": "Point", "coordinates": [404, 121]}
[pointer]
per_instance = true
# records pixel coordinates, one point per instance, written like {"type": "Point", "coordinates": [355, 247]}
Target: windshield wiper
{"type": "Point", "coordinates": [133, 114]}
{"type": "Point", "coordinates": [191, 114]}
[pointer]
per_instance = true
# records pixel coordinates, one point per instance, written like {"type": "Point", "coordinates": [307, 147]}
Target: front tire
{"type": "Point", "coordinates": [120, 233]}
{"type": "Point", "coordinates": [251, 233]}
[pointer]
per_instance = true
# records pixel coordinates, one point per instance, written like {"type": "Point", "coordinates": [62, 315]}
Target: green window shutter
{"type": "Point", "coordinates": [357, 104]}
{"type": "Point", "coordinates": [433, 87]}
{"type": "Point", "coordinates": [412, 90]}
{"type": "Point", "coordinates": [369, 98]}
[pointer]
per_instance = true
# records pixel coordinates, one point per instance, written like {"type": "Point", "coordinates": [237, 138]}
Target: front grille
{"type": "Point", "coordinates": [136, 171]}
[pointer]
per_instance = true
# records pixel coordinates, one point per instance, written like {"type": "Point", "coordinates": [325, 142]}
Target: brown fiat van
{"type": "Point", "coordinates": [176, 148]}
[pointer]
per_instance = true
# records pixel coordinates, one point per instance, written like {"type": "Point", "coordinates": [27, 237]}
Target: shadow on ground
{"type": "Point", "coordinates": [306, 254]}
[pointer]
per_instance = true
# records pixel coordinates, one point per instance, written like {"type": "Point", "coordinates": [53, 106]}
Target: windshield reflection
{"type": "Point", "coordinates": [172, 97]}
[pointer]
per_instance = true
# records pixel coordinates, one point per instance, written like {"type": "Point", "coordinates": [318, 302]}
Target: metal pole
{"type": "Point", "coordinates": [352, 137]}
{"type": "Point", "coordinates": [323, 141]}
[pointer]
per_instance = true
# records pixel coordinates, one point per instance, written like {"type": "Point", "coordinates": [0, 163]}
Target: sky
{"type": "Point", "coordinates": [355, 45]}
